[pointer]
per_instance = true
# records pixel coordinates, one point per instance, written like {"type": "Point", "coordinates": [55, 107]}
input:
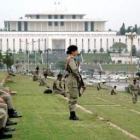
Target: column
{"type": "Point", "coordinates": [13, 45]}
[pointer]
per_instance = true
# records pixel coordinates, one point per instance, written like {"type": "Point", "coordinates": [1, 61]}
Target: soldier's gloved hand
{"type": "Point", "coordinates": [2, 100]}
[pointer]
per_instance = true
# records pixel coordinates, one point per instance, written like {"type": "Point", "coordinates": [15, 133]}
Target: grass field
{"type": "Point", "coordinates": [45, 117]}
{"type": "Point", "coordinates": [97, 57]}
{"type": "Point", "coordinates": [119, 67]}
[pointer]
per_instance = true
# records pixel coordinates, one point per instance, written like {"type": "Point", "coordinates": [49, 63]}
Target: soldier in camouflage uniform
{"type": "Point", "coordinates": [58, 86]}
{"type": "Point", "coordinates": [72, 81]}
{"type": "Point", "coordinates": [113, 91]}
{"type": "Point", "coordinates": [134, 89]}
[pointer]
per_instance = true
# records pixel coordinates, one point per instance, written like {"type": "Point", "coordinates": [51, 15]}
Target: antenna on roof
{"type": "Point", "coordinates": [57, 5]}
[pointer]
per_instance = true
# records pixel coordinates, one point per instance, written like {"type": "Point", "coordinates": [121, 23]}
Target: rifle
{"type": "Point", "coordinates": [81, 85]}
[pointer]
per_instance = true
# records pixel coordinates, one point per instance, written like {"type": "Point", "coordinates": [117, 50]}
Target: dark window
{"type": "Point", "coordinates": [62, 17]}
{"type": "Point", "coordinates": [50, 16]}
{"type": "Point", "coordinates": [19, 26]}
{"type": "Point", "coordinates": [56, 23]}
{"type": "Point", "coordinates": [37, 17]}
{"type": "Point", "coordinates": [73, 16]}
{"type": "Point", "coordinates": [25, 26]}
{"type": "Point", "coordinates": [50, 23]}
{"type": "Point", "coordinates": [62, 23]}
{"type": "Point", "coordinates": [92, 26]}
{"type": "Point", "coordinates": [8, 26]}
{"type": "Point", "coordinates": [56, 16]}
{"type": "Point", "coordinates": [86, 26]}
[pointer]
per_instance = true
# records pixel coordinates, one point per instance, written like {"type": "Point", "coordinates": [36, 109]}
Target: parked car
{"type": "Point", "coordinates": [97, 81]}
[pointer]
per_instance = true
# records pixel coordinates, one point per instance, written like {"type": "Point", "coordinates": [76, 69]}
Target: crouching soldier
{"type": "Point", "coordinates": [35, 77]}
{"type": "Point", "coordinates": [134, 89]}
{"type": "Point", "coordinates": [113, 91]}
{"type": "Point", "coordinates": [42, 81]}
{"type": "Point", "coordinates": [58, 87]}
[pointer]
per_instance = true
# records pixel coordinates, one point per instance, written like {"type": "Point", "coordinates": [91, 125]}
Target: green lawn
{"type": "Point", "coordinates": [45, 117]}
{"type": "Point", "coordinates": [118, 67]}
{"type": "Point", "coordinates": [97, 57]}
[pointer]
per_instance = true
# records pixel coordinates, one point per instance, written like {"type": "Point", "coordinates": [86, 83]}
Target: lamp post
{"type": "Point", "coordinates": [48, 58]}
{"type": "Point", "coordinates": [131, 35]}
{"type": "Point", "coordinates": [30, 43]}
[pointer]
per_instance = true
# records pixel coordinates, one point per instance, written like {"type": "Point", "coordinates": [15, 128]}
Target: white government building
{"type": "Point", "coordinates": [57, 30]}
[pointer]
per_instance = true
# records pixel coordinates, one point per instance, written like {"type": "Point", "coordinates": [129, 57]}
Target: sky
{"type": "Point", "coordinates": [115, 12]}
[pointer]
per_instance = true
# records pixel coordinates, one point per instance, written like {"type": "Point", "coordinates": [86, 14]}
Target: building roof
{"type": "Point", "coordinates": [55, 13]}
{"type": "Point", "coordinates": [57, 20]}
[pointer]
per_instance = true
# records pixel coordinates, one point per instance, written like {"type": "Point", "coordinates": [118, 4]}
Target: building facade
{"type": "Point", "coordinates": [56, 31]}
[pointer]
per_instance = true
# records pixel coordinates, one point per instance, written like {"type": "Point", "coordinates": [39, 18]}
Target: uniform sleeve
{"type": "Point", "coordinates": [73, 67]}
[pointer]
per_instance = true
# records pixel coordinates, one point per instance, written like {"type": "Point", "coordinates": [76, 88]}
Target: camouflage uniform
{"type": "Point", "coordinates": [58, 88]}
{"type": "Point", "coordinates": [113, 91]}
{"type": "Point", "coordinates": [72, 68]}
{"type": "Point", "coordinates": [42, 82]}
{"type": "Point", "coordinates": [134, 89]}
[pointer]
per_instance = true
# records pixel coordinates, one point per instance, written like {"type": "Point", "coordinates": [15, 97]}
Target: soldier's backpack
{"type": "Point", "coordinates": [48, 91]}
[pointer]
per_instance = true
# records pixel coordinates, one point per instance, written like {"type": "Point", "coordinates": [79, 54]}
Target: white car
{"type": "Point", "coordinates": [122, 77]}
{"type": "Point", "coordinates": [97, 81]}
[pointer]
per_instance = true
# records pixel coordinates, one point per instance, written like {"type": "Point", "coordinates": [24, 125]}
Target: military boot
{"type": "Point", "coordinates": [74, 117]}
{"type": "Point", "coordinates": [4, 136]}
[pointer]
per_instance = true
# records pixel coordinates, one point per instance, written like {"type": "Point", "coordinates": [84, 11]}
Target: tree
{"type": "Point", "coordinates": [138, 74]}
{"type": "Point", "coordinates": [134, 50]}
{"type": "Point", "coordinates": [1, 59]}
{"type": "Point", "coordinates": [126, 50]}
{"type": "Point", "coordinates": [122, 30]}
{"type": "Point", "coordinates": [101, 50]}
{"type": "Point", "coordinates": [94, 51]}
{"type": "Point", "coordinates": [8, 61]}
{"type": "Point", "coordinates": [89, 50]}
{"type": "Point", "coordinates": [118, 47]}
{"type": "Point", "coordinates": [136, 28]}
{"type": "Point", "coordinates": [82, 51]}
{"type": "Point", "coordinates": [138, 31]}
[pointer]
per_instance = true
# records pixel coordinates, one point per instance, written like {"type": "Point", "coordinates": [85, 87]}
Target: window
{"type": "Point", "coordinates": [19, 26]}
{"type": "Point", "coordinates": [86, 26]}
{"type": "Point", "coordinates": [8, 26]}
{"type": "Point", "coordinates": [56, 23]}
{"type": "Point", "coordinates": [62, 17]}
{"type": "Point", "coordinates": [37, 17]}
{"type": "Point", "coordinates": [92, 26]}
{"type": "Point", "coordinates": [73, 16]}
{"type": "Point", "coordinates": [62, 23]}
{"type": "Point", "coordinates": [25, 26]}
{"type": "Point", "coordinates": [50, 16]}
{"type": "Point", "coordinates": [50, 23]}
{"type": "Point", "coordinates": [56, 16]}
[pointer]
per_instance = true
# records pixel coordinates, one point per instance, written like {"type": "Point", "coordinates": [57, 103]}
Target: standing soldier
{"type": "Point", "coordinates": [37, 70]}
{"type": "Point", "coordinates": [134, 89]}
{"type": "Point", "coordinates": [73, 80]}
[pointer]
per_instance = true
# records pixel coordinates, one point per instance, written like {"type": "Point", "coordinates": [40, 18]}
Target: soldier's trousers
{"type": "Point", "coordinates": [7, 98]}
{"type": "Point", "coordinates": [3, 118]}
{"type": "Point", "coordinates": [61, 92]}
{"type": "Point", "coordinates": [134, 96]}
{"type": "Point", "coordinates": [73, 97]}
